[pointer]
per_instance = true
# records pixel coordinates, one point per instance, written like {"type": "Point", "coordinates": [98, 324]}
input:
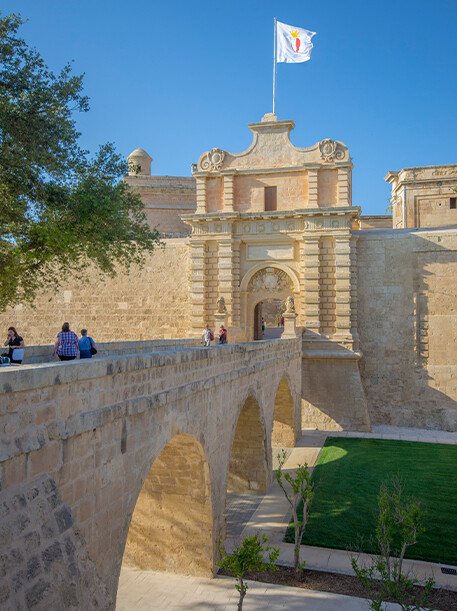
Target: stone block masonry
{"type": "Point", "coordinates": [44, 563]}
{"type": "Point", "coordinates": [97, 429]}
{"type": "Point", "coordinates": [407, 317]}
{"type": "Point", "coordinates": [148, 303]}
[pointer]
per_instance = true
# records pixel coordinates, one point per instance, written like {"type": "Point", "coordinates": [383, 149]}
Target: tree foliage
{"type": "Point", "coordinates": [398, 527]}
{"type": "Point", "coordinates": [60, 210]}
{"type": "Point", "coordinates": [300, 491]}
{"type": "Point", "coordinates": [248, 556]}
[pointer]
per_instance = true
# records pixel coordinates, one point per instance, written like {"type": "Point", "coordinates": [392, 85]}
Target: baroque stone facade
{"type": "Point", "coordinates": [424, 196]}
{"type": "Point", "coordinates": [273, 222]}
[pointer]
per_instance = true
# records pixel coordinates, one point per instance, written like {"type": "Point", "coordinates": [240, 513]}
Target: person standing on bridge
{"type": "Point", "coordinates": [207, 336]}
{"type": "Point", "coordinates": [222, 335]}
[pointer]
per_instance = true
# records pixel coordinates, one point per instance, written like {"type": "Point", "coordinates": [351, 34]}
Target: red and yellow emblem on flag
{"type": "Point", "coordinates": [293, 44]}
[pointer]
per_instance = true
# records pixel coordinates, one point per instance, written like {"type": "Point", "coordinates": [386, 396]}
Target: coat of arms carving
{"type": "Point", "coordinates": [329, 150]}
{"type": "Point", "coordinates": [270, 280]}
{"type": "Point", "coordinates": [213, 160]}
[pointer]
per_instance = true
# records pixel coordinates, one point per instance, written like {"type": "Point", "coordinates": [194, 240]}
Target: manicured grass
{"type": "Point", "coordinates": [347, 478]}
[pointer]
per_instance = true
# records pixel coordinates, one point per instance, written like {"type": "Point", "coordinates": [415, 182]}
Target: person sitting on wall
{"type": "Point", "coordinates": [222, 335]}
{"type": "Point", "coordinates": [16, 347]}
{"type": "Point", "coordinates": [66, 345]}
{"type": "Point", "coordinates": [86, 346]}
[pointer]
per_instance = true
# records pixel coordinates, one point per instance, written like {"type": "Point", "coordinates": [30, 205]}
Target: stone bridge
{"type": "Point", "coordinates": [130, 458]}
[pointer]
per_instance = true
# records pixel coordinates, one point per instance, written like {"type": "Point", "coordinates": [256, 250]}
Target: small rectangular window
{"type": "Point", "coordinates": [453, 203]}
{"type": "Point", "coordinates": [270, 198]}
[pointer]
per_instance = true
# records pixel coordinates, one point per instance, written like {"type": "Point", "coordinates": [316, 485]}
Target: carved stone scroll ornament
{"type": "Point", "coordinates": [221, 307]}
{"type": "Point", "coordinates": [290, 305]}
{"type": "Point", "coordinates": [270, 279]}
{"type": "Point", "coordinates": [212, 160]}
{"type": "Point", "coordinates": [329, 150]}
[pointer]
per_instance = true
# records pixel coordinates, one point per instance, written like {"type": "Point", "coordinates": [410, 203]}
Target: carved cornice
{"type": "Point", "coordinates": [258, 224]}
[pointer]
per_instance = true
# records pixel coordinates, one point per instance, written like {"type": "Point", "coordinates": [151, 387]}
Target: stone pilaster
{"type": "Point", "coordinates": [354, 321]}
{"type": "Point", "coordinates": [197, 286]}
{"type": "Point", "coordinates": [343, 288]}
{"type": "Point", "coordinates": [201, 194]}
{"type": "Point", "coordinates": [225, 276]}
{"type": "Point", "coordinates": [302, 268]}
{"type": "Point", "coordinates": [311, 286]}
{"type": "Point", "coordinates": [228, 193]}
{"type": "Point", "coordinates": [236, 279]}
{"type": "Point", "coordinates": [344, 187]}
{"type": "Point", "coordinates": [313, 195]}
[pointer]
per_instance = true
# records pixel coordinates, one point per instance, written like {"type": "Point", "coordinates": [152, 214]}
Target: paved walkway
{"type": "Point", "coordinates": [152, 591]}
{"type": "Point", "coordinates": [149, 590]}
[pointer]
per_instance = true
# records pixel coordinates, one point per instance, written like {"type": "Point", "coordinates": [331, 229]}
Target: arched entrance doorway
{"type": "Point", "coordinates": [267, 314]}
{"type": "Point", "coordinates": [172, 525]}
{"type": "Point", "coordinates": [265, 283]}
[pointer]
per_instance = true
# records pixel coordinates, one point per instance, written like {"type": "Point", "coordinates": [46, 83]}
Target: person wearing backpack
{"type": "Point", "coordinates": [207, 336]}
{"type": "Point", "coordinates": [86, 345]}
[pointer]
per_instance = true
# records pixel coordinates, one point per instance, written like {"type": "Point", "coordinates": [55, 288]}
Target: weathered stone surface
{"type": "Point", "coordinates": [36, 575]}
{"type": "Point", "coordinates": [179, 412]}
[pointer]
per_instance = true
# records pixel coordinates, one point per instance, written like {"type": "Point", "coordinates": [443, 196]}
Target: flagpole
{"type": "Point", "coordinates": [274, 68]}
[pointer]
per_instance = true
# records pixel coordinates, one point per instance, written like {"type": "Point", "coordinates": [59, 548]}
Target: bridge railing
{"type": "Point", "coordinates": [43, 354]}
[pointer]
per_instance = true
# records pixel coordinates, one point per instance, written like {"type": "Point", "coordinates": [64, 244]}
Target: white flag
{"type": "Point", "coordinates": [293, 44]}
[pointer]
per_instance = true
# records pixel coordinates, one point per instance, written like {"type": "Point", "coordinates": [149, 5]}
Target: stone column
{"type": "Point", "coordinates": [311, 286]}
{"type": "Point", "coordinates": [228, 192]}
{"type": "Point", "coordinates": [313, 195]}
{"type": "Point", "coordinates": [343, 187]}
{"type": "Point", "coordinates": [343, 288]}
{"type": "Point", "coordinates": [201, 195]}
{"type": "Point", "coordinates": [197, 286]}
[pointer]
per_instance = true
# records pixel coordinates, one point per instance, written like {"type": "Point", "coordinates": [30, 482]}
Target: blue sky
{"type": "Point", "coordinates": [178, 78]}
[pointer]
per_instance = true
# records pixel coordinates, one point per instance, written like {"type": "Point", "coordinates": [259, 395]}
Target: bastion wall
{"type": "Point", "coordinates": [147, 303]}
{"type": "Point", "coordinates": [406, 320]}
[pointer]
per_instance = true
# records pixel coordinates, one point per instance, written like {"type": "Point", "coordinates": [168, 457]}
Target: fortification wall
{"type": "Point", "coordinates": [147, 303]}
{"type": "Point", "coordinates": [407, 320]}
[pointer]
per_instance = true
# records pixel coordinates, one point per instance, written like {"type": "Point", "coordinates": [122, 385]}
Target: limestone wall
{"type": "Point", "coordinates": [147, 303]}
{"type": "Point", "coordinates": [407, 313]}
{"type": "Point", "coordinates": [96, 428]}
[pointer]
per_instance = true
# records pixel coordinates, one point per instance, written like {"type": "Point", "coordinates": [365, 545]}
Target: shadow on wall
{"type": "Point", "coordinates": [408, 329]}
{"type": "Point", "coordinates": [333, 398]}
{"type": "Point", "coordinates": [172, 523]}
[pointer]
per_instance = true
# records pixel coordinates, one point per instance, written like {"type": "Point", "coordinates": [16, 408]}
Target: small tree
{"type": "Point", "coordinates": [248, 556]}
{"type": "Point", "coordinates": [302, 492]}
{"type": "Point", "coordinates": [398, 527]}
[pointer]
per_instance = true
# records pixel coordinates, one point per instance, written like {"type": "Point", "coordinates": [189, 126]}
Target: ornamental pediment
{"type": "Point", "coordinates": [271, 149]}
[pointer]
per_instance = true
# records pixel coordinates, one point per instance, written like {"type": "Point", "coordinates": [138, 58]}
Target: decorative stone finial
{"type": "Point", "coordinates": [270, 116]}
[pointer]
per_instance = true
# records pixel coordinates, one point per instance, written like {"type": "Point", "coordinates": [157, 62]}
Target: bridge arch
{"type": "Point", "coordinates": [249, 465]}
{"type": "Point", "coordinates": [284, 432]}
{"type": "Point", "coordinates": [171, 528]}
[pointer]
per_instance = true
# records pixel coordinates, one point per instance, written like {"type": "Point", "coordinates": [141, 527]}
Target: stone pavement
{"type": "Point", "coordinates": [144, 590]}
{"type": "Point", "coordinates": [154, 591]}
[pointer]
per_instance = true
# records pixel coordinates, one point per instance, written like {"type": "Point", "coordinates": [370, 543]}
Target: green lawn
{"type": "Point", "coordinates": [347, 478]}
